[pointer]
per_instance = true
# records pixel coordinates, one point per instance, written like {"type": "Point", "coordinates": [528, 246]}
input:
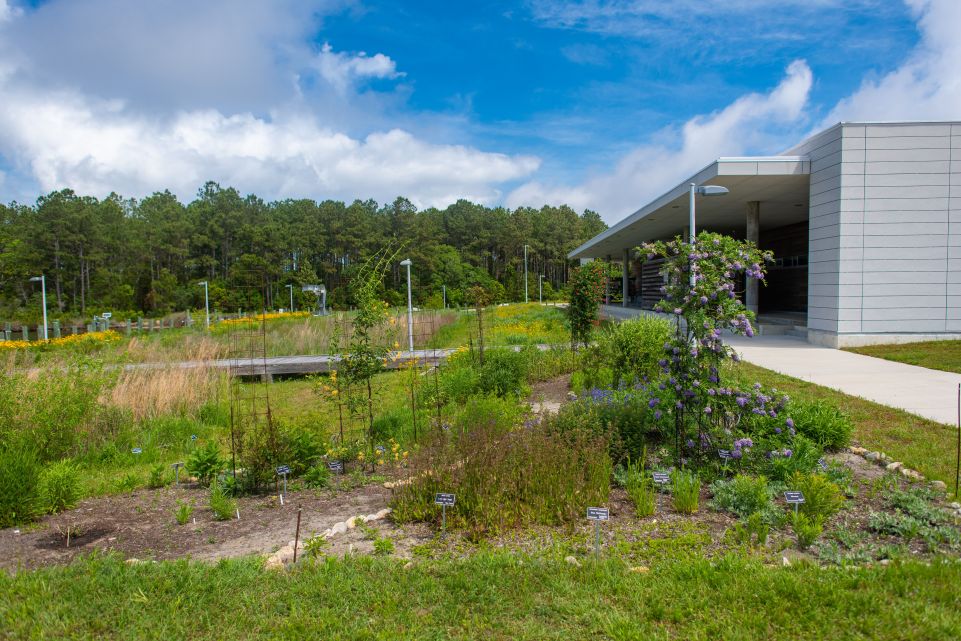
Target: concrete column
{"type": "Point", "coordinates": [624, 276]}
{"type": "Point", "coordinates": [607, 283]}
{"type": "Point", "coordinates": [753, 234]}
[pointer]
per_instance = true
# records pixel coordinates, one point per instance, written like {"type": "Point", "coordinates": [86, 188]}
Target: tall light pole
{"type": "Point", "coordinates": [703, 190]}
{"type": "Point", "coordinates": [444, 290]}
{"type": "Point", "coordinates": [540, 288]}
{"type": "Point", "coordinates": [206, 302]}
{"type": "Point", "coordinates": [410, 308]}
{"type": "Point", "coordinates": [525, 273]}
{"type": "Point", "coordinates": [42, 279]}
{"type": "Point", "coordinates": [291, 288]}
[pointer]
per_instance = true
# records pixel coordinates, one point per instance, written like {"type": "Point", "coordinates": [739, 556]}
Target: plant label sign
{"type": "Point", "coordinates": [598, 514]}
{"type": "Point", "coordinates": [443, 499]}
{"type": "Point", "coordinates": [283, 470]}
{"type": "Point", "coordinates": [193, 437]}
{"type": "Point", "coordinates": [724, 454]}
{"type": "Point", "coordinates": [794, 497]}
{"type": "Point", "coordinates": [335, 466]}
{"type": "Point", "coordinates": [381, 449]}
{"type": "Point", "coordinates": [661, 477]}
{"type": "Point", "coordinates": [178, 465]}
{"type": "Point", "coordinates": [137, 450]}
{"type": "Point", "coordinates": [822, 464]}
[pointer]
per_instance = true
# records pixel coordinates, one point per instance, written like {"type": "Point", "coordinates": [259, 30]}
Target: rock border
{"type": "Point", "coordinates": [285, 555]}
{"type": "Point", "coordinates": [883, 460]}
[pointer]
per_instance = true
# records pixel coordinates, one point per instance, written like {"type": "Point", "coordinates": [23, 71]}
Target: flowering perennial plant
{"type": "Point", "coordinates": [700, 290]}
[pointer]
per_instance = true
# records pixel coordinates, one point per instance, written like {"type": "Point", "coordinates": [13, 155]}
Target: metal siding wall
{"type": "Point", "coordinates": [900, 231]}
{"type": "Point", "coordinates": [824, 228]}
{"type": "Point", "coordinates": [953, 285]}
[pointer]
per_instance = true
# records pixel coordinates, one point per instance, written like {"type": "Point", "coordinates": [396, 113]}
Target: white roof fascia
{"type": "Point", "coordinates": [704, 175]}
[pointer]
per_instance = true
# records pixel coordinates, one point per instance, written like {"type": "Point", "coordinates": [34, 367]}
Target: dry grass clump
{"type": "Point", "coordinates": [148, 392]}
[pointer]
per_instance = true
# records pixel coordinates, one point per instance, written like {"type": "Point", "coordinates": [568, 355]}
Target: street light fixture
{"type": "Point", "coordinates": [703, 190]}
{"type": "Point", "coordinates": [42, 279]}
{"type": "Point", "coordinates": [291, 288]}
{"type": "Point", "coordinates": [410, 309]}
{"type": "Point", "coordinates": [525, 273]}
{"type": "Point", "coordinates": [206, 302]}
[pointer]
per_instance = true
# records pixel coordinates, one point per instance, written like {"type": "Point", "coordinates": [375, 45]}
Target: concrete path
{"type": "Point", "coordinates": [926, 392]}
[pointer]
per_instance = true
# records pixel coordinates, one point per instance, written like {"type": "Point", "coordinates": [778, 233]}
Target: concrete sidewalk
{"type": "Point", "coordinates": [926, 392]}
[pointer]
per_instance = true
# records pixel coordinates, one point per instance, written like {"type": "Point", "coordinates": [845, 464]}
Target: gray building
{"type": "Point", "coordinates": [864, 220]}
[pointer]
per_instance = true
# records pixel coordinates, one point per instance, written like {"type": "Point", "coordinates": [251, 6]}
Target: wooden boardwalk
{"type": "Point", "coordinates": [306, 364]}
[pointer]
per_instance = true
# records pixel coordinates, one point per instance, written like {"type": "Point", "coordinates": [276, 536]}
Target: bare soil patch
{"type": "Point", "coordinates": [142, 525]}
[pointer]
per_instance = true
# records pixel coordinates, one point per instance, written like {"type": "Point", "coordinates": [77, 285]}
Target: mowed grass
{"type": "Point", "coordinates": [942, 355]}
{"type": "Point", "coordinates": [485, 596]}
{"type": "Point", "coordinates": [919, 443]}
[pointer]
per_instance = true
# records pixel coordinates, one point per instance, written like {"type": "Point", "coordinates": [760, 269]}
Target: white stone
{"type": "Point", "coordinates": [338, 528]}
{"type": "Point", "coordinates": [893, 467]}
{"type": "Point", "coordinates": [383, 513]}
{"type": "Point", "coordinates": [785, 561]}
{"type": "Point", "coordinates": [351, 522]}
{"type": "Point", "coordinates": [572, 561]}
{"type": "Point", "coordinates": [860, 451]}
{"type": "Point", "coordinates": [955, 506]}
{"type": "Point", "coordinates": [873, 456]}
{"type": "Point", "coordinates": [939, 485]}
{"type": "Point", "coordinates": [370, 517]}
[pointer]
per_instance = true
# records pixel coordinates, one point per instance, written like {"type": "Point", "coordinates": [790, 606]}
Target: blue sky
{"type": "Point", "coordinates": [600, 104]}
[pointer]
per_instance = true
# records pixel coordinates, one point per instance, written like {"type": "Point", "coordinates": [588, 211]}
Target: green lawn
{"type": "Point", "coordinates": [486, 596]}
{"type": "Point", "coordinates": [943, 355]}
{"type": "Point", "coordinates": [921, 444]}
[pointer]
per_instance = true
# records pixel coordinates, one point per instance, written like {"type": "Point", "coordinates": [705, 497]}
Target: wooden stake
{"type": "Point", "coordinates": [297, 535]}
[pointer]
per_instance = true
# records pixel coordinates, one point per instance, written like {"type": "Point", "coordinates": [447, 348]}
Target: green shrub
{"type": "Point", "coordinates": [504, 372]}
{"type": "Point", "coordinates": [223, 506]}
{"type": "Point", "coordinates": [743, 495]}
{"type": "Point", "coordinates": [59, 486]}
{"type": "Point", "coordinates": [302, 449]}
{"type": "Point", "coordinates": [640, 488]}
{"type": "Point", "coordinates": [802, 457]}
{"type": "Point", "coordinates": [822, 422]}
{"type": "Point", "coordinates": [184, 512]}
{"type": "Point", "coordinates": [822, 498]}
{"type": "Point", "coordinates": [158, 477]}
{"type": "Point", "coordinates": [314, 546]}
{"type": "Point", "coordinates": [686, 489]}
{"type": "Point", "coordinates": [317, 477]}
{"type": "Point", "coordinates": [632, 348]}
{"type": "Point", "coordinates": [19, 483]}
{"type": "Point", "coordinates": [621, 416]}
{"type": "Point", "coordinates": [205, 462]}
{"type": "Point", "coordinates": [806, 528]}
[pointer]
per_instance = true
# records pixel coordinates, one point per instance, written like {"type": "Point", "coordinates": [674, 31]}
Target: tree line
{"type": "Point", "coordinates": [147, 256]}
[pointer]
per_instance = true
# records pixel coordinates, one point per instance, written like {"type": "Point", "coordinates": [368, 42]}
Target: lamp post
{"type": "Point", "coordinates": [291, 288]}
{"type": "Point", "coordinates": [703, 190]}
{"type": "Point", "coordinates": [540, 288]}
{"type": "Point", "coordinates": [206, 303]}
{"type": "Point", "coordinates": [410, 308]}
{"type": "Point", "coordinates": [42, 279]}
{"type": "Point", "coordinates": [525, 273]}
{"type": "Point", "coordinates": [444, 290]}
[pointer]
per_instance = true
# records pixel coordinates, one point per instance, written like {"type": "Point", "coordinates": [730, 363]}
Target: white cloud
{"type": "Point", "coordinates": [927, 86]}
{"type": "Point", "coordinates": [58, 130]}
{"type": "Point", "coordinates": [95, 147]}
{"type": "Point", "coordinates": [342, 70]}
{"type": "Point", "coordinates": [6, 11]}
{"type": "Point", "coordinates": [752, 121]}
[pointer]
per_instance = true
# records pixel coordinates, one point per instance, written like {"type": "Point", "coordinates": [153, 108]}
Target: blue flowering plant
{"type": "Point", "coordinates": [690, 402]}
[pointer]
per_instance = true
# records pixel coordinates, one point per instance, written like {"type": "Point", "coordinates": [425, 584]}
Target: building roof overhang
{"type": "Point", "coordinates": [780, 183]}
